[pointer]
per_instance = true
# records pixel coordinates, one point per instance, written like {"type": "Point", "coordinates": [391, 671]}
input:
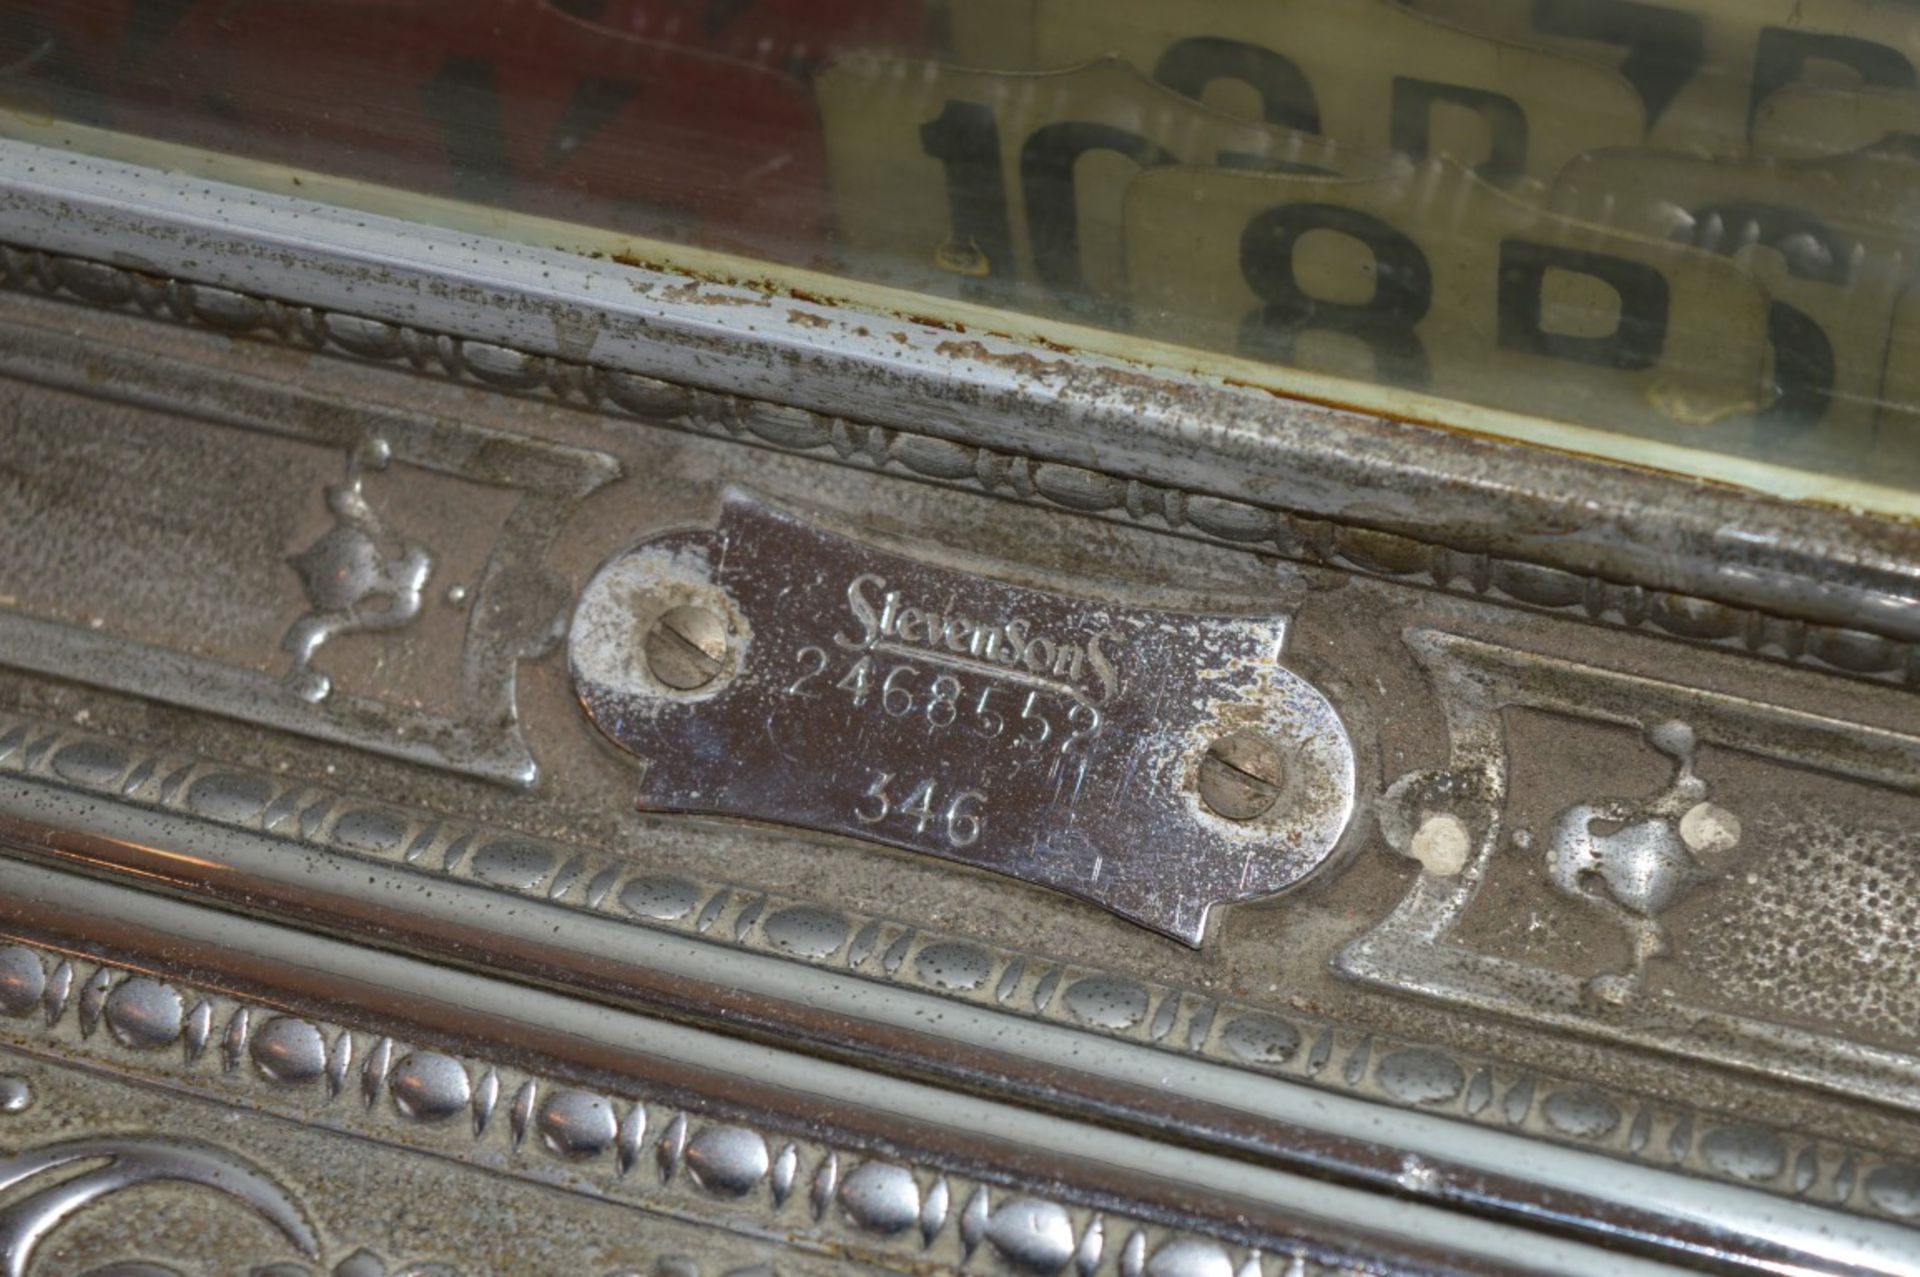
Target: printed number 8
{"type": "Point", "coordinates": [1403, 290]}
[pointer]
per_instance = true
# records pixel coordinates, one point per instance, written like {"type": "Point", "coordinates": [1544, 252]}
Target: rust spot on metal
{"type": "Point", "coordinates": [1032, 365]}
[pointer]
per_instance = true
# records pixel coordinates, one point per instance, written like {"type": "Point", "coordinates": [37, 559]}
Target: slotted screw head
{"type": "Point", "coordinates": [686, 648]}
{"type": "Point", "coordinates": [1241, 776]}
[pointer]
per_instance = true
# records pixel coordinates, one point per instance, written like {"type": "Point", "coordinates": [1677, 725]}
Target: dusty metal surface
{"type": "Point", "coordinates": [525, 310]}
{"type": "Point", "coordinates": [1850, 633]}
{"type": "Point", "coordinates": [884, 1032]}
{"type": "Point", "coordinates": [188, 542]}
{"type": "Point", "coordinates": [106, 1174]}
{"type": "Point", "coordinates": [690, 1124]}
{"type": "Point", "coordinates": [1153, 762]}
{"type": "Point", "coordinates": [1636, 861]}
{"type": "Point", "coordinates": [1615, 945]}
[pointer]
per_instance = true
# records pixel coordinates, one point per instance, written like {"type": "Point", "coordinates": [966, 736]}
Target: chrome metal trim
{"type": "Point", "coordinates": [1272, 1121]}
{"type": "Point", "coordinates": [1117, 1170]}
{"type": "Point", "coordinates": [1316, 1051]}
{"type": "Point", "coordinates": [37, 354]}
{"type": "Point", "coordinates": [1194, 432]}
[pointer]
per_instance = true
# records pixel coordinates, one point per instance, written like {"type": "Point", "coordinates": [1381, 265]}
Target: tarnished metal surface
{"type": "Point", "coordinates": [1615, 945]}
{"type": "Point", "coordinates": [102, 1173]}
{"type": "Point", "coordinates": [1058, 1067]}
{"type": "Point", "coordinates": [1639, 864]}
{"type": "Point", "coordinates": [162, 557]}
{"type": "Point", "coordinates": [826, 1157]}
{"type": "Point", "coordinates": [532, 311]}
{"type": "Point", "coordinates": [1153, 762]}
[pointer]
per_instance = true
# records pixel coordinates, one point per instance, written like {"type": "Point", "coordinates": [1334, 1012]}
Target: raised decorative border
{"type": "Point", "coordinates": [624, 1148]}
{"type": "Point", "coordinates": [479, 737]}
{"type": "Point", "coordinates": [1299, 1048]}
{"type": "Point", "coordinates": [117, 1161]}
{"type": "Point", "coordinates": [1387, 555]}
{"type": "Point", "coordinates": [1415, 950]}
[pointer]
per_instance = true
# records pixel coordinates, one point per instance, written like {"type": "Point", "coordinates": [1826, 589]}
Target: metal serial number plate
{"type": "Point", "coordinates": [1153, 762]}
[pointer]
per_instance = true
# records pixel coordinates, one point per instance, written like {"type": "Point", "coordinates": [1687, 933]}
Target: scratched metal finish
{"type": "Point", "coordinates": [1062, 740]}
{"type": "Point", "coordinates": [104, 1175]}
{"type": "Point", "coordinates": [1479, 955]}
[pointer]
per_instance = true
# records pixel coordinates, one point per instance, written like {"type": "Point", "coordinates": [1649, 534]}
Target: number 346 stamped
{"type": "Point", "coordinates": [1153, 762]}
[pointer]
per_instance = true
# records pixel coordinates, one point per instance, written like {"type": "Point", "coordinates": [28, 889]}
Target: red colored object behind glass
{"type": "Point", "coordinates": [693, 121]}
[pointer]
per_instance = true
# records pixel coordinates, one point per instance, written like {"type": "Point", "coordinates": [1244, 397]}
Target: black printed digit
{"type": "Point", "coordinates": [464, 101]}
{"type": "Point", "coordinates": [1286, 95]}
{"type": "Point", "coordinates": [149, 25]}
{"type": "Point", "coordinates": [1804, 367]}
{"type": "Point", "coordinates": [1665, 47]}
{"type": "Point", "coordinates": [965, 138]}
{"type": "Point", "coordinates": [1403, 290]}
{"type": "Point", "coordinates": [1782, 56]}
{"type": "Point", "coordinates": [1047, 164]}
{"type": "Point", "coordinates": [1411, 124]}
{"type": "Point", "coordinates": [596, 102]}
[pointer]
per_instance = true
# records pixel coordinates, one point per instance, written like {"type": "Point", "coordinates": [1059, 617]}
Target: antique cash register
{"type": "Point", "coordinates": [1256, 638]}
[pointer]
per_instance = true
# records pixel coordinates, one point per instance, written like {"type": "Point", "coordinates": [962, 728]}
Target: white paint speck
{"type": "Point", "coordinates": [1710, 828]}
{"type": "Point", "coordinates": [1440, 844]}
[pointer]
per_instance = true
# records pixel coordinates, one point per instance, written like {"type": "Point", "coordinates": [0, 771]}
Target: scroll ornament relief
{"type": "Point", "coordinates": [43, 1187]}
{"type": "Point", "coordinates": [50, 1184]}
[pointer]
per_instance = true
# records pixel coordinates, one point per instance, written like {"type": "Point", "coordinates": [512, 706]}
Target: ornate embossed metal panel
{"type": "Point", "coordinates": [1785, 888]}
{"type": "Point", "coordinates": [1096, 807]}
{"type": "Point", "coordinates": [235, 548]}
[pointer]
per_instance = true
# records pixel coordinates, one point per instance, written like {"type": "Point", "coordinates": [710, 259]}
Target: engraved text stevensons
{"type": "Point", "coordinates": [1009, 641]}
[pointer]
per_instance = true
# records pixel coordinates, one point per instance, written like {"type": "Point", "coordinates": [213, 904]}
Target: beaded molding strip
{"type": "Point", "coordinates": [1371, 552]}
{"type": "Point", "coordinates": [623, 1148]}
{"type": "Point", "coordinates": [1295, 1047]}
